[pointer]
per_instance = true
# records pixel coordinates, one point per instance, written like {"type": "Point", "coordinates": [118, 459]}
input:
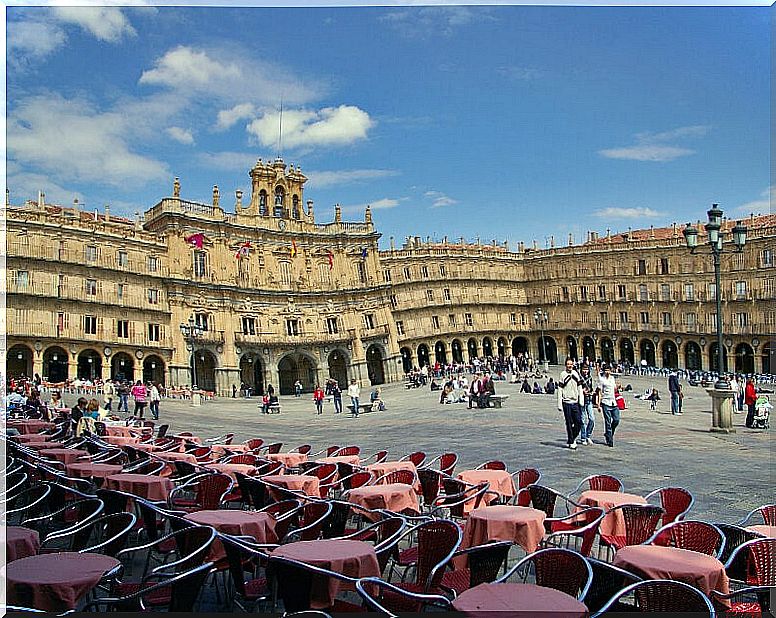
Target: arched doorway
{"type": "Point", "coordinates": [766, 358]}
{"type": "Point", "coordinates": [714, 361]}
{"type": "Point", "coordinates": [457, 348]}
{"type": "Point", "coordinates": [501, 344]}
{"type": "Point", "coordinates": [471, 345]}
{"type": "Point", "coordinates": [122, 367]}
{"type": "Point", "coordinates": [19, 362]}
{"type": "Point", "coordinates": [440, 352]}
{"type": "Point", "coordinates": [406, 359]}
{"type": "Point", "coordinates": [670, 354]}
{"type": "Point", "coordinates": [744, 358]}
{"type": "Point", "coordinates": [571, 348]}
{"type": "Point", "coordinates": [338, 368]}
{"type": "Point", "coordinates": [89, 365]}
{"type": "Point", "coordinates": [292, 368]}
{"type": "Point", "coordinates": [423, 357]}
{"type": "Point", "coordinates": [519, 345]}
{"type": "Point", "coordinates": [487, 347]}
{"type": "Point", "coordinates": [206, 370]}
{"type": "Point", "coordinates": [647, 352]}
{"type": "Point", "coordinates": [588, 349]}
{"type": "Point", "coordinates": [252, 373]}
{"type": "Point", "coordinates": [153, 369]}
{"type": "Point", "coordinates": [55, 364]}
{"type": "Point", "coordinates": [626, 351]}
{"type": "Point", "coordinates": [607, 350]}
{"type": "Point", "coordinates": [374, 365]}
{"type": "Point", "coordinates": [548, 350]}
{"type": "Point", "coordinates": [692, 356]}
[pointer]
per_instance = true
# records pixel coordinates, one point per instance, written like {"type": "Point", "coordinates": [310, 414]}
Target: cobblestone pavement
{"type": "Point", "coordinates": [728, 474]}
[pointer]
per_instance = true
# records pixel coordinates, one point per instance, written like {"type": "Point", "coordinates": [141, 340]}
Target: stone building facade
{"type": "Point", "coordinates": [278, 297]}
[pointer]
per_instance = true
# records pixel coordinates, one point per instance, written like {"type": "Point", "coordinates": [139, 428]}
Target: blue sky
{"type": "Point", "coordinates": [503, 122]}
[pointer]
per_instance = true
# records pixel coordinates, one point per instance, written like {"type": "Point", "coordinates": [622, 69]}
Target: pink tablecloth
{"type": "Point", "coordinates": [307, 484]}
{"type": "Point", "coordinates": [143, 485]}
{"type": "Point", "coordinates": [500, 481]}
{"type": "Point", "coordinates": [218, 449]}
{"type": "Point", "coordinates": [55, 582]}
{"type": "Point", "coordinates": [613, 524]}
{"type": "Point", "coordinates": [393, 497]}
{"type": "Point", "coordinates": [521, 524]}
{"type": "Point", "coordinates": [260, 526]}
{"type": "Point", "coordinates": [20, 543]}
{"type": "Point", "coordinates": [769, 531]}
{"type": "Point", "coordinates": [353, 460]}
{"type": "Point", "coordinates": [292, 460]}
{"type": "Point", "coordinates": [230, 469]}
{"type": "Point", "coordinates": [501, 599]}
{"type": "Point", "coordinates": [30, 437]}
{"type": "Point", "coordinates": [30, 425]}
{"type": "Point", "coordinates": [387, 467]}
{"type": "Point", "coordinates": [65, 455]}
{"type": "Point", "coordinates": [121, 440]}
{"type": "Point", "coordinates": [352, 558]}
{"type": "Point", "coordinates": [122, 430]}
{"type": "Point", "coordinates": [39, 446]}
{"type": "Point", "coordinates": [92, 470]}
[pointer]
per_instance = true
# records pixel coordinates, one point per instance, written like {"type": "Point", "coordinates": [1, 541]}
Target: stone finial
{"type": "Point", "coordinates": [96, 214]}
{"type": "Point", "coordinates": [310, 211]}
{"type": "Point", "coordinates": [651, 231]}
{"type": "Point", "coordinates": [41, 199]}
{"type": "Point", "coordinates": [138, 220]}
{"type": "Point", "coordinates": [216, 196]}
{"type": "Point", "coordinates": [7, 197]}
{"type": "Point", "coordinates": [337, 213]}
{"type": "Point", "coordinates": [521, 247]}
{"type": "Point", "coordinates": [76, 205]}
{"type": "Point", "coordinates": [462, 240]}
{"type": "Point", "coordinates": [176, 187]}
{"type": "Point", "coordinates": [368, 214]}
{"type": "Point", "coordinates": [107, 212]}
{"type": "Point", "coordinates": [393, 244]}
{"type": "Point", "coordinates": [552, 242]}
{"type": "Point", "coordinates": [608, 232]}
{"type": "Point", "coordinates": [535, 244]}
{"type": "Point", "coordinates": [571, 239]}
{"type": "Point", "coordinates": [238, 194]}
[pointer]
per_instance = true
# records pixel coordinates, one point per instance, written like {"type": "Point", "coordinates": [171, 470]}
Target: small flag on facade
{"type": "Point", "coordinates": [244, 251]}
{"type": "Point", "coordinates": [293, 248]}
{"type": "Point", "coordinates": [196, 240]}
{"type": "Point", "coordinates": [331, 260]}
{"type": "Point", "coordinates": [363, 253]}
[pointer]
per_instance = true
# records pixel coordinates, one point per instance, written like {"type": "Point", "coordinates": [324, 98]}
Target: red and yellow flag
{"type": "Point", "coordinates": [293, 248]}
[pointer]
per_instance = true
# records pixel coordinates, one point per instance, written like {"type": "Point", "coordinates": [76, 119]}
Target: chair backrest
{"type": "Point", "coordinates": [254, 443]}
{"type": "Point", "coordinates": [107, 534]}
{"type": "Point", "coordinates": [447, 462]}
{"type": "Point", "coordinates": [753, 562]}
{"type": "Point", "coordinates": [603, 482]}
{"type": "Point", "coordinates": [437, 542]}
{"type": "Point", "coordinates": [254, 492]}
{"type": "Point", "coordinates": [331, 450]}
{"type": "Point", "coordinates": [357, 479]}
{"type": "Point", "coordinates": [543, 498]}
{"type": "Point", "coordinates": [335, 524]}
{"type": "Point", "coordinates": [348, 450]}
{"type": "Point", "coordinates": [768, 512]}
{"type": "Point", "coordinates": [211, 490]}
{"type": "Point", "coordinates": [313, 518]}
{"type": "Point", "coordinates": [485, 561]}
{"type": "Point", "coordinates": [271, 467]}
{"type": "Point", "coordinates": [302, 448]}
{"type": "Point", "coordinates": [561, 569]}
{"type": "Point", "coordinates": [193, 542]}
{"type": "Point", "coordinates": [430, 483]}
{"type": "Point", "coordinates": [186, 587]}
{"type": "Point", "coordinates": [390, 600]}
{"type": "Point", "coordinates": [285, 513]}
{"type": "Point", "coordinates": [29, 503]}
{"type": "Point", "coordinates": [526, 477]}
{"type": "Point", "coordinates": [418, 457]}
{"type": "Point", "coordinates": [380, 456]}
{"type": "Point", "coordinates": [406, 477]}
{"type": "Point", "coordinates": [608, 580]}
{"type": "Point", "coordinates": [238, 556]}
{"type": "Point", "coordinates": [243, 458]}
{"type": "Point", "coordinates": [640, 521]}
{"type": "Point", "coordinates": [115, 501]}
{"type": "Point", "coordinates": [663, 595]}
{"type": "Point", "coordinates": [324, 471]}
{"type": "Point", "coordinates": [676, 502]}
{"type": "Point", "coordinates": [295, 581]}
{"type": "Point", "coordinates": [734, 537]}
{"type": "Point", "coordinates": [693, 535]}
{"type": "Point", "coordinates": [274, 448]}
{"type": "Point", "coordinates": [493, 464]}
{"type": "Point", "coordinates": [162, 431]}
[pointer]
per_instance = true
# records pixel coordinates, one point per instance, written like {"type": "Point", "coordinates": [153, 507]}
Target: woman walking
{"type": "Point", "coordinates": [140, 394]}
{"type": "Point", "coordinates": [318, 398]}
{"type": "Point", "coordinates": [155, 396]}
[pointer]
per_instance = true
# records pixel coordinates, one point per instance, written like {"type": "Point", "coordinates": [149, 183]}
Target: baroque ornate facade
{"type": "Point", "coordinates": [279, 297]}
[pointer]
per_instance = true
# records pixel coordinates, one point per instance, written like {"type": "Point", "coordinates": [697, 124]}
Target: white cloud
{"type": "Point", "coordinates": [422, 22]}
{"type": "Point", "coordinates": [25, 185]}
{"type": "Point", "coordinates": [439, 199]}
{"type": "Point", "coordinates": [761, 206]}
{"type": "Point", "coordinates": [103, 22]}
{"type": "Point", "coordinates": [33, 40]}
{"type": "Point", "coordinates": [227, 118]}
{"type": "Point", "coordinates": [183, 136]}
{"type": "Point", "coordinates": [627, 213]}
{"type": "Point", "coordinates": [331, 126]}
{"type": "Point", "coordinates": [233, 161]}
{"type": "Point", "coordinates": [381, 204]}
{"type": "Point", "coordinates": [187, 67]}
{"type": "Point", "coordinates": [655, 147]}
{"type": "Point", "coordinates": [320, 179]}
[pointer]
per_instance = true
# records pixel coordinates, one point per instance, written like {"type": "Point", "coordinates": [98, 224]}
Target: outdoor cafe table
{"type": "Point", "coordinates": [55, 582]}
{"type": "Point", "coordinates": [292, 460]}
{"type": "Point", "coordinates": [613, 524]}
{"type": "Point", "coordinates": [231, 469]}
{"type": "Point", "coordinates": [30, 425]}
{"type": "Point", "coordinates": [219, 450]}
{"type": "Point", "coordinates": [260, 526]}
{"type": "Point", "coordinates": [768, 531]}
{"type": "Point", "coordinates": [353, 460]}
{"type": "Point", "coordinates": [144, 485]}
{"type": "Point", "coordinates": [31, 437]}
{"type": "Point", "coordinates": [171, 457]}
{"type": "Point", "coordinates": [92, 470]}
{"type": "Point", "coordinates": [307, 484]}
{"type": "Point", "coordinates": [527, 599]}
{"type": "Point", "coordinates": [148, 447]}
{"type": "Point", "coordinates": [122, 430]}
{"type": "Point", "coordinates": [120, 440]}
{"type": "Point", "coordinates": [500, 482]}
{"type": "Point", "coordinates": [39, 446]}
{"type": "Point", "coordinates": [702, 571]}
{"type": "Point", "coordinates": [393, 496]}
{"type": "Point", "coordinates": [352, 558]}
{"type": "Point", "coordinates": [386, 467]}
{"type": "Point", "coordinates": [65, 455]}
{"type": "Point", "coordinates": [20, 542]}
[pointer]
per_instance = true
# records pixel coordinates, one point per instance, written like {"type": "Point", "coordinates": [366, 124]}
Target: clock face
{"type": "Point", "coordinates": [107, 351]}
{"type": "Point", "coordinates": [282, 225]}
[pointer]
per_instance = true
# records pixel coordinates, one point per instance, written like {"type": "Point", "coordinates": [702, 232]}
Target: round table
{"type": "Point", "coordinates": [522, 524]}
{"type": "Point", "coordinates": [217, 450]}
{"type": "Point", "coordinates": [613, 524]}
{"type": "Point", "coordinates": [292, 460]}
{"type": "Point", "coordinates": [144, 485]}
{"type": "Point", "coordinates": [394, 497]}
{"type": "Point", "coordinates": [171, 457]}
{"type": "Point", "coordinates": [30, 425]}
{"type": "Point", "coordinates": [767, 531]}
{"type": "Point", "coordinates": [530, 599]}
{"type": "Point", "coordinates": [120, 440]}
{"type": "Point", "coordinates": [307, 484]}
{"type": "Point", "coordinates": [92, 470]}
{"type": "Point", "coordinates": [353, 460]}
{"type": "Point", "coordinates": [20, 542]}
{"type": "Point", "coordinates": [352, 558]}
{"type": "Point", "coordinates": [122, 430]}
{"type": "Point", "coordinates": [65, 455]}
{"type": "Point", "coordinates": [704, 572]}
{"type": "Point", "coordinates": [386, 467]}
{"type": "Point", "coordinates": [260, 526]}
{"type": "Point", "coordinates": [500, 482]}
{"type": "Point", "coordinates": [23, 438]}
{"type": "Point", "coordinates": [55, 582]}
{"type": "Point", "coordinates": [230, 469]}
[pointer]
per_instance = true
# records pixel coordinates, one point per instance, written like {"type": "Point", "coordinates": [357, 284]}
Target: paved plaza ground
{"type": "Point", "coordinates": [728, 474]}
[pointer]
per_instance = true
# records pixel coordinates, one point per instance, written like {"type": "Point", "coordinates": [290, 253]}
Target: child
{"type": "Point", "coordinates": [653, 399]}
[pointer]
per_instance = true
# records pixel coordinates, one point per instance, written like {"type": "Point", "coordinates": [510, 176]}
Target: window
{"type": "Point", "coordinates": [603, 317]}
{"type": "Point", "coordinates": [62, 320]}
{"type": "Point", "coordinates": [768, 288]}
{"type": "Point", "coordinates": [122, 329]}
{"type": "Point", "coordinates": [324, 273]}
{"type": "Point", "coordinates": [361, 270]}
{"type": "Point", "coordinates": [285, 273]}
{"type": "Point", "coordinates": [644, 317]}
{"type": "Point", "coordinates": [467, 319]}
{"type": "Point", "coordinates": [664, 266]}
{"type": "Point", "coordinates": [665, 291]}
{"type": "Point", "coordinates": [407, 274]}
{"type": "Point", "coordinates": [565, 293]}
{"type": "Point", "coordinates": [602, 292]}
{"type": "Point", "coordinates": [711, 319]}
{"type": "Point", "coordinates": [22, 279]}
{"type": "Point", "coordinates": [91, 287]}
{"type": "Point", "coordinates": [689, 291]}
{"type": "Point", "coordinates": [712, 291]}
{"type": "Point", "coordinates": [643, 292]}
{"type": "Point", "coordinates": [200, 263]}
{"type": "Point", "coordinates": [583, 317]}
{"type": "Point", "coordinates": [153, 264]}
{"type": "Point", "coordinates": [623, 317]}
{"type": "Point", "coordinates": [120, 289]}
{"type": "Point", "coordinates": [447, 294]}
{"type": "Point", "coordinates": [621, 294]}
{"type": "Point", "coordinates": [248, 325]}
{"type": "Point", "coordinates": [331, 326]}
{"type": "Point", "coordinates": [766, 257]}
{"type": "Point", "coordinates": [394, 302]}
{"type": "Point", "coordinates": [153, 296]}
{"type": "Point", "coordinates": [292, 328]}
{"type": "Point", "coordinates": [369, 321]}
{"type": "Point", "coordinates": [435, 322]}
{"type": "Point", "coordinates": [430, 295]}
{"type": "Point", "coordinates": [387, 275]}
{"type": "Point", "coordinates": [691, 319]}
{"type": "Point", "coordinates": [522, 319]}
{"type": "Point", "coordinates": [153, 332]}
{"type": "Point", "coordinates": [583, 292]}
{"type": "Point", "coordinates": [201, 320]}
{"type": "Point", "coordinates": [400, 327]}
{"type": "Point", "coordinates": [424, 272]}
{"type": "Point", "coordinates": [91, 253]}
{"type": "Point", "coordinates": [740, 289]}
{"type": "Point", "coordinates": [451, 319]}
{"type": "Point", "coordinates": [443, 270]}
{"type": "Point", "coordinates": [741, 319]}
{"type": "Point", "coordinates": [513, 319]}
{"type": "Point", "coordinates": [641, 267]}
{"type": "Point", "coordinates": [122, 258]}
{"type": "Point", "coordinates": [666, 318]}
{"type": "Point", "coordinates": [90, 324]}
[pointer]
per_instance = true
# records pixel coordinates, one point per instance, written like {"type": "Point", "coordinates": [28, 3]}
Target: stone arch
{"type": "Point", "coordinates": [647, 352]}
{"type": "Point", "coordinates": [669, 354]}
{"type": "Point", "coordinates": [519, 345]}
{"type": "Point", "coordinates": [626, 351]}
{"type": "Point", "coordinates": [487, 347]}
{"type": "Point", "coordinates": [55, 364]}
{"type": "Point", "coordinates": [19, 361]}
{"type": "Point", "coordinates": [457, 351]}
{"type": "Point", "coordinates": [713, 361]}
{"type": "Point", "coordinates": [693, 359]}
{"type": "Point", "coordinates": [337, 362]}
{"type": "Point", "coordinates": [295, 212]}
{"type": "Point", "coordinates": [571, 348]}
{"type": "Point", "coordinates": [471, 346]}
{"type": "Point", "coordinates": [588, 349]}
{"type": "Point", "coordinates": [89, 365]}
{"type": "Point", "coordinates": [122, 367]}
{"type": "Point", "coordinates": [406, 359]}
{"type": "Point", "coordinates": [296, 366]}
{"type": "Point", "coordinates": [423, 355]}
{"type": "Point", "coordinates": [550, 348]}
{"type": "Point", "coordinates": [744, 358]}
{"type": "Point", "coordinates": [252, 372]}
{"type": "Point", "coordinates": [607, 350]}
{"type": "Point", "coordinates": [205, 365]}
{"type": "Point", "coordinates": [263, 209]}
{"type": "Point", "coordinates": [501, 346]}
{"type": "Point", "coordinates": [154, 369]}
{"type": "Point", "coordinates": [279, 202]}
{"type": "Point", "coordinates": [440, 352]}
{"type": "Point", "coordinates": [375, 365]}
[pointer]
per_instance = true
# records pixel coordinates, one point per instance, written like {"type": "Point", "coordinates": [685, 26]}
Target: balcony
{"type": "Point", "coordinates": [77, 293]}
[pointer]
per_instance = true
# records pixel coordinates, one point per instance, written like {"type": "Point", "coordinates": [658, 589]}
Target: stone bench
{"type": "Point", "coordinates": [274, 408]}
{"type": "Point", "coordinates": [363, 408]}
{"type": "Point", "coordinates": [497, 400]}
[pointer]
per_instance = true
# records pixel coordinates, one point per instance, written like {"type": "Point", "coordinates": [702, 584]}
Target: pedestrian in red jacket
{"type": "Point", "coordinates": [750, 396]}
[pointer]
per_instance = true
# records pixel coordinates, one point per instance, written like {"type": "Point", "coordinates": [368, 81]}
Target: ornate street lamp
{"type": "Point", "coordinates": [191, 332]}
{"type": "Point", "coordinates": [715, 239]}
{"type": "Point", "coordinates": [541, 318]}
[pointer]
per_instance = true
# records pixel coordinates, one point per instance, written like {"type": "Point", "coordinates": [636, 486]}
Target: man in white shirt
{"type": "Point", "coordinates": [354, 392]}
{"type": "Point", "coordinates": [571, 398]}
{"type": "Point", "coordinates": [609, 403]}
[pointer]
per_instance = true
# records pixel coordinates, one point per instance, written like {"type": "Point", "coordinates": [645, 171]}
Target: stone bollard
{"type": "Point", "coordinates": [721, 410]}
{"type": "Point", "coordinates": [196, 400]}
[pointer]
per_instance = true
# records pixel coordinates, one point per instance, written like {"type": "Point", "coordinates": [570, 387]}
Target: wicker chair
{"type": "Point", "coordinates": [580, 528]}
{"type": "Point", "coordinates": [244, 555]}
{"type": "Point", "coordinates": [640, 523]}
{"type": "Point", "coordinates": [347, 451]}
{"type": "Point", "coordinates": [608, 580]}
{"type": "Point", "coordinates": [676, 502]}
{"type": "Point", "coordinates": [304, 449]}
{"type": "Point", "coordinates": [406, 477]}
{"type": "Point", "coordinates": [662, 595]}
{"type": "Point", "coordinates": [389, 599]}
{"type": "Point", "coordinates": [254, 443]}
{"type": "Point", "coordinates": [734, 536]}
{"type": "Point", "coordinates": [312, 519]}
{"type": "Point", "coordinates": [295, 581]}
{"type": "Point", "coordinates": [693, 535]}
{"type": "Point", "coordinates": [766, 511]}
{"type": "Point", "coordinates": [745, 602]}
{"type": "Point", "coordinates": [447, 463]}
{"type": "Point", "coordinates": [209, 491]}
{"type": "Point", "coordinates": [525, 477]}
{"type": "Point", "coordinates": [430, 485]}
{"type": "Point", "coordinates": [379, 457]}
{"type": "Point", "coordinates": [483, 565]}
{"type": "Point", "coordinates": [417, 458]}
{"type": "Point", "coordinates": [556, 568]}
{"type": "Point", "coordinates": [493, 464]}
{"type": "Point", "coordinates": [753, 563]}
{"type": "Point", "coordinates": [459, 498]}
{"type": "Point", "coordinates": [600, 482]}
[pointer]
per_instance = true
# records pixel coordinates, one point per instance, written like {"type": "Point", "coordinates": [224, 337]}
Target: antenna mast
{"type": "Point", "coordinates": [280, 131]}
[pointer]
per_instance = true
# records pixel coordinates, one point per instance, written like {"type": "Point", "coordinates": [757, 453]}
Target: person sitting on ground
{"type": "Point", "coordinates": [537, 390]}
{"type": "Point", "coordinates": [435, 385]}
{"type": "Point", "coordinates": [525, 388]}
{"type": "Point", "coordinates": [446, 390]}
{"type": "Point", "coordinates": [550, 388]}
{"type": "Point", "coordinates": [377, 403]}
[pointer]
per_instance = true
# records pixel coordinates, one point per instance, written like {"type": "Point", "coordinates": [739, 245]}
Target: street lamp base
{"type": "Point", "coordinates": [196, 400]}
{"type": "Point", "coordinates": [722, 384]}
{"type": "Point", "coordinates": [721, 410]}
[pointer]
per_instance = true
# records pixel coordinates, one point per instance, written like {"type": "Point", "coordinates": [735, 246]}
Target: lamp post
{"type": "Point", "coordinates": [541, 318]}
{"type": "Point", "coordinates": [191, 332]}
{"type": "Point", "coordinates": [721, 420]}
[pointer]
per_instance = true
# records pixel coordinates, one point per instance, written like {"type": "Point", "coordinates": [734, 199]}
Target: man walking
{"type": "Point", "coordinates": [588, 414]}
{"type": "Point", "coordinates": [354, 392]}
{"type": "Point", "coordinates": [571, 397]}
{"type": "Point", "coordinates": [609, 404]}
{"type": "Point", "coordinates": [336, 393]}
{"type": "Point", "coordinates": [674, 388]}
